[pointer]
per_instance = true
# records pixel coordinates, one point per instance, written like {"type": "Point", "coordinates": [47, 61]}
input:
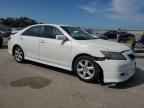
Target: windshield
{"type": "Point", "coordinates": [78, 33]}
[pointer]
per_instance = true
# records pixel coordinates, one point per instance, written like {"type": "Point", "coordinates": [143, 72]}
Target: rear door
{"type": "Point", "coordinates": [30, 41]}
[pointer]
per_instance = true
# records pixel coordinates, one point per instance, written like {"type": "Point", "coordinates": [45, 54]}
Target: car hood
{"type": "Point", "coordinates": [106, 45]}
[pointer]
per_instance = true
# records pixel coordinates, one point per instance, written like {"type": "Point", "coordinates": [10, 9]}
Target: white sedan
{"type": "Point", "coordinates": [73, 49]}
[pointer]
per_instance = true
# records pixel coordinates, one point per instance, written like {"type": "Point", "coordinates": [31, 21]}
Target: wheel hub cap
{"type": "Point", "coordinates": [18, 54]}
{"type": "Point", "coordinates": [85, 69]}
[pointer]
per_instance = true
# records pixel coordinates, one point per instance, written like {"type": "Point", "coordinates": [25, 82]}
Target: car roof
{"type": "Point", "coordinates": [54, 25]}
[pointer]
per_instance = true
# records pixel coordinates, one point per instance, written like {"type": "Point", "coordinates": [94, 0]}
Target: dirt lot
{"type": "Point", "coordinates": [33, 85]}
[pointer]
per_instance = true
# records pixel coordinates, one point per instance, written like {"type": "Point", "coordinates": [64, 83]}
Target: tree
{"type": "Point", "coordinates": [18, 22]}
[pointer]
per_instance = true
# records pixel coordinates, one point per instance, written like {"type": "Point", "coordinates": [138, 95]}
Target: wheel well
{"type": "Point", "coordinates": [101, 75]}
{"type": "Point", "coordinates": [14, 48]}
{"type": "Point", "coordinates": [78, 57]}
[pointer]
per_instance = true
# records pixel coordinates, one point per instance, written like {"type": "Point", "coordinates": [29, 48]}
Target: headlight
{"type": "Point", "coordinates": [113, 55]}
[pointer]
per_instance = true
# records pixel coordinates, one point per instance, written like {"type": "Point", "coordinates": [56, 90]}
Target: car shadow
{"type": "Point", "coordinates": [4, 47]}
{"type": "Point", "coordinates": [51, 68]}
{"type": "Point", "coordinates": [140, 56]}
{"type": "Point", "coordinates": [136, 80]}
{"type": "Point", "coordinates": [139, 49]}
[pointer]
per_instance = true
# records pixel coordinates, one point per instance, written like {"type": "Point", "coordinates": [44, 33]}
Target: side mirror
{"type": "Point", "coordinates": [61, 37]}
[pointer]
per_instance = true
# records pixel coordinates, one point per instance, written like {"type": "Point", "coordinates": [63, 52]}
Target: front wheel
{"type": "Point", "coordinates": [86, 69]}
{"type": "Point", "coordinates": [19, 54]}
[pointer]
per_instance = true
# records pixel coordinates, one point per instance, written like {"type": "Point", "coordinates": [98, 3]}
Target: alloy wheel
{"type": "Point", "coordinates": [85, 69]}
{"type": "Point", "coordinates": [18, 54]}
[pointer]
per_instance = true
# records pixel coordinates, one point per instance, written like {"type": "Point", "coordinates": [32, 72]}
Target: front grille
{"type": "Point", "coordinates": [131, 56]}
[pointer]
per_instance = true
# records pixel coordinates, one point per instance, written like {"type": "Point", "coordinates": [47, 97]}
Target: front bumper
{"type": "Point", "coordinates": [116, 71]}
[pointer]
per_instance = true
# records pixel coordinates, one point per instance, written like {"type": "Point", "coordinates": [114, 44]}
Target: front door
{"type": "Point", "coordinates": [52, 50]}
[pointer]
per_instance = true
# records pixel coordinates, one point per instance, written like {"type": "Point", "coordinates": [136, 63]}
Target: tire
{"type": "Point", "coordinates": [87, 70]}
{"type": "Point", "coordinates": [18, 54]}
{"type": "Point", "coordinates": [1, 43]}
{"type": "Point", "coordinates": [118, 40]}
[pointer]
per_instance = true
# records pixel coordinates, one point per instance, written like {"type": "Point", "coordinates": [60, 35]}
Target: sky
{"type": "Point", "coordinates": [87, 13]}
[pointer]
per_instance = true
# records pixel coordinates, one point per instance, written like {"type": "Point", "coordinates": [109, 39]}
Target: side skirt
{"type": "Point", "coordinates": [50, 64]}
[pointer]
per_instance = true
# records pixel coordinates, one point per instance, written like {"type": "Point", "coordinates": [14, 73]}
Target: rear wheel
{"type": "Point", "coordinates": [18, 54]}
{"type": "Point", "coordinates": [86, 69]}
{"type": "Point", "coordinates": [118, 40]}
{"type": "Point", "coordinates": [1, 42]}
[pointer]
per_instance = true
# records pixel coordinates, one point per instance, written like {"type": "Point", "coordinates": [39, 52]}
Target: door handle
{"type": "Point", "coordinates": [42, 41]}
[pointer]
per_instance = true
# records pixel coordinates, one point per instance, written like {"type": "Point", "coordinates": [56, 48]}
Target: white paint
{"type": "Point", "coordinates": [56, 53]}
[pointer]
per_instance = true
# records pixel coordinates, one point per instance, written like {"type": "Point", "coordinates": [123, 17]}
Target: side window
{"type": "Point", "coordinates": [35, 31]}
{"type": "Point", "coordinates": [51, 32]}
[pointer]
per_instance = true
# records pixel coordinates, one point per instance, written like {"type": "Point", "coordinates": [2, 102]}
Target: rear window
{"type": "Point", "coordinates": [35, 31]}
